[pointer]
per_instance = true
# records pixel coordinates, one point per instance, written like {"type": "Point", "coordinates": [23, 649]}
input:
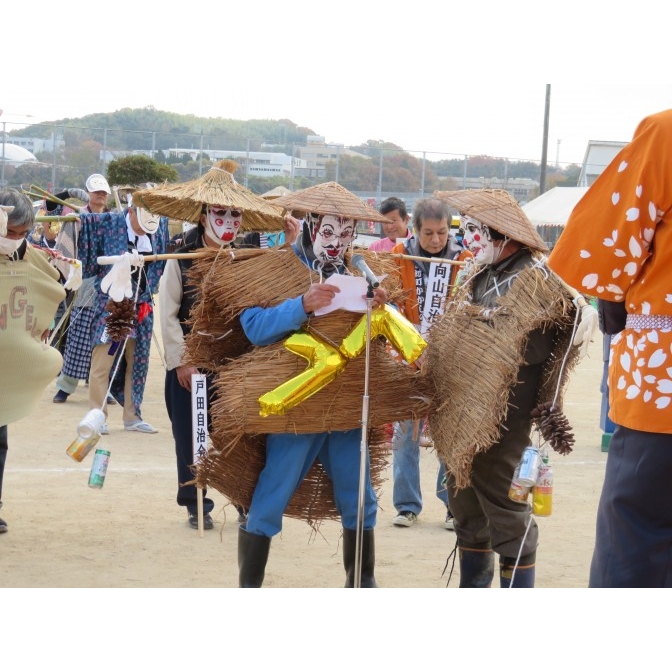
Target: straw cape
{"type": "Point", "coordinates": [497, 209]}
{"type": "Point", "coordinates": [329, 198]}
{"type": "Point", "coordinates": [185, 200]}
{"type": "Point", "coordinates": [473, 358]}
{"type": "Point", "coordinates": [230, 283]}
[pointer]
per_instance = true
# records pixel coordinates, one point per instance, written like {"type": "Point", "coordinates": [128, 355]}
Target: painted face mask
{"type": "Point", "coordinates": [222, 224]}
{"type": "Point", "coordinates": [332, 238]}
{"type": "Point", "coordinates": [478, 240]}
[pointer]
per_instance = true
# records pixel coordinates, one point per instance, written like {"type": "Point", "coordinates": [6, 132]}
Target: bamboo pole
{"type": "Point", "coordinates": [56, 218]}
{"type": "Point", "coordinates": [43, 193]}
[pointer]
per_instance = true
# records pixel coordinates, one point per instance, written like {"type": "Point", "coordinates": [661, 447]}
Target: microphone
{"type": "Point", "coordinates": [359, 263]}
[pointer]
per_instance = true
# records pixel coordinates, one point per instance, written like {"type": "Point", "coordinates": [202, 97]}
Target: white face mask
{"type": "Point", "coordinates": [8, 245]}
{"type": "Point", "coordinates": [331, 240]}
{"type": "Point", "coordinates": [222, 224]}
{"type": "Point", "coordinates": [478, 241]}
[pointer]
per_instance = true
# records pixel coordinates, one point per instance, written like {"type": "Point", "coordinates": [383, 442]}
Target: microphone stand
{"type": "Point", "coordinates": [364, 449]}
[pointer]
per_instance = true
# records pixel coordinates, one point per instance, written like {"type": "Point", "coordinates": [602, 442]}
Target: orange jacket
{"type": "Point", "coordinates": [407, 271]}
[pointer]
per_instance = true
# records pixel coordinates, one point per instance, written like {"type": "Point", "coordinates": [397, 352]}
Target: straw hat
{"type": "Point", "coordinates": [330, 198]}
{"type": "Point", "coordinates": [497, 209]}
{"type": "Point", "coordinates": [185, 200]}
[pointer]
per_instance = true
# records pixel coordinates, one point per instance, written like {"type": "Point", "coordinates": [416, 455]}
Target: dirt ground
{"type": "Point", "coordinates": [131, 533]}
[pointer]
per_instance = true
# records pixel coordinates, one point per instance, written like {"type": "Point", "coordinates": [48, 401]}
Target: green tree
{"type": "Point", "coordinates": [139, 168]}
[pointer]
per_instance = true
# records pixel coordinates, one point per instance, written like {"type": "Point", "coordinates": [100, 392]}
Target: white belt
{"type": "Point", "coordinates": [648, 322]}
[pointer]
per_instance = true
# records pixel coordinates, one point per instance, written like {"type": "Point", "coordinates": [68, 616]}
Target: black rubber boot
{"type": "Point", "coordinates": [477, 567]}
{"type": "Point", "coordinates": [524, 576]}
{"type": "Point", "coordinates": [368, 580]}
{"type": "Point", "coordinates": [252, 557]}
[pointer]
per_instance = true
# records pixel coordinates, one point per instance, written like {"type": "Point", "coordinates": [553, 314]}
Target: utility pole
{"type": "Point", "coordinates": [422, 179]}
{"type": "Point", "coordinates": [380, 177]}
{"type": "Point", "coordinates": [544, 148]}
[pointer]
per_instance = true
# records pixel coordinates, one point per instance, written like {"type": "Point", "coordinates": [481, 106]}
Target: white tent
{"type": "Point", "coordinates": [550, 211]}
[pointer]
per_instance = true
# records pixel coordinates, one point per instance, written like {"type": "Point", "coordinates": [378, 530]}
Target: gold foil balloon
{"type": "Point", "coordinates": [385, 321]}
{"type": "Point", "coordinates": [325, 361]}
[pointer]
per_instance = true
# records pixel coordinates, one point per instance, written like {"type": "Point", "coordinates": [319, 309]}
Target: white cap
{"type": "Point", "coordinates": [97, 182]}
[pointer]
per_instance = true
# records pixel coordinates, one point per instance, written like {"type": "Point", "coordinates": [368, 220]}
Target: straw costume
{"type": "Point", "coordinates": [299, 459]}
{"type": "Point", "coordinates": [494, 356]}
{"type": "Point", "coordinates": [180, 287]}
{"type": "Point", "coordinates": [617, 246]}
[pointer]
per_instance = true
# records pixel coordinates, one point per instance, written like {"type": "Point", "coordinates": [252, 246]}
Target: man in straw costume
{"type": "Point", "coordinates": [616, 247]}
{"type": "Point", "coordinates": [30, 291]}
{"type": "Point", "coordinates": [496, 353]}
{"type": "Point", "coordinates": [289, 436]}
{"type": "Point", "coordinates": [327, 233]}
{"type": "Point", "coordinates": [220, 208]}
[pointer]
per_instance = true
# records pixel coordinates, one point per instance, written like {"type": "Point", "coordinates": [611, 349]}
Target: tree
{"type": "Point", "coordinates": [139, 168]}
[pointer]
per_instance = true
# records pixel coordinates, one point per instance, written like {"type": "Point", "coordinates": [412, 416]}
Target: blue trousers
{"type": "Point", "coordinates": [178, 405]}
{"type": "Point", "coordinates": [406, 493]}
{"type": "Point", "coordinates": [633, 539]}
{"type": "Point", "coordinates": [288, 460]}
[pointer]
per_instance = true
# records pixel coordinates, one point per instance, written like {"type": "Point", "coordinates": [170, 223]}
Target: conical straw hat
{"type": "Point", "coordinates": [185, 200]}
{"type": "Point", "coordinates": [497, 209]}
{"type": "Point", "coordinates": [330, 198]}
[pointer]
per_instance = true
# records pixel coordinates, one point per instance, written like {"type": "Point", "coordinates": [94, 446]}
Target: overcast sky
{"type": "Point", "coordinates": [423, 75]}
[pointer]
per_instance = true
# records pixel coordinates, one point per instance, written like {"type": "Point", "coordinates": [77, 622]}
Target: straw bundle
{"type": "Point", "coordinates": [230, 283]}
{"type": "Point", "coordinates": [396, 392]}
{"type": "Point", "coordinates": [185, 200]}
{"type": "Point", "coordinates": [233, 465]}
{"type": "Point", "coordinates": [473, 359]}
{"type": "Point", "coordinates": [213, 338]}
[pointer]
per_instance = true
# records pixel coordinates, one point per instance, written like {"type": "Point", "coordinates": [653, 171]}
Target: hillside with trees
{"type": "Point", "coordinates": [88, 144]}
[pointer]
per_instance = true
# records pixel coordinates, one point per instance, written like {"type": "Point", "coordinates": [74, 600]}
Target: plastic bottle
{"type": "Point", "coordinates": [542, 493]}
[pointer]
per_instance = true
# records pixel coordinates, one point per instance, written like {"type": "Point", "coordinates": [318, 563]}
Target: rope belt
{"type": "Point", "coordinates": [648, 322]}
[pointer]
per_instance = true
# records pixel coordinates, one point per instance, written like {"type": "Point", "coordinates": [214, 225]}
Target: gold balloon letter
{"type": "Point", "coordinates": [325, 363]}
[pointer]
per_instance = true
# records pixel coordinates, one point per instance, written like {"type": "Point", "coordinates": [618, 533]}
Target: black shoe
{"type": "Point", "coordinates": [207, 521]}
{"type": "Point", "coordinates": [3, 526]}
{"type": "Point", "coordinates": [111, 401]}
{"type": "Point", "coordinates": [60, 397]}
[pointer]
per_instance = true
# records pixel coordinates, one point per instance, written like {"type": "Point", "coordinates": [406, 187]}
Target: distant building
{"type": "Point", "coordinates": [599, 154]}
{"type": "Point", "coordinates": [262, 164]}
{"type": "Point", "coordinates": [315, 155]}
{"type": "Point", "coordinates": [37, 145]}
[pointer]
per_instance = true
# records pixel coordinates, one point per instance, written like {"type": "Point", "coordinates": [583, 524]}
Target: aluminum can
{"type": "Point", "coordinates": [80, 447]}
{"type": "Point", "coordinates": [517, 491]}
{"type": "Point", "coordinates": [529, 466]}
{"type": "Point", "coordinates": [91, 423]}
{"type": "Point", "coordinates": [99, 468]}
